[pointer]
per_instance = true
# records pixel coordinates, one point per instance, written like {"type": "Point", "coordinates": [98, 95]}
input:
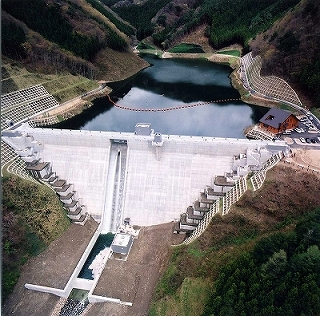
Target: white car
{"type": "Point", "coordinates": [302, 140]}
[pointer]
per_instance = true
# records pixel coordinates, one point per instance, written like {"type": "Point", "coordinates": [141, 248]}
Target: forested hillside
{"type": "Point", "coordinates": [290, 48]}
{"type": "Point", "coordinates": [285, 32]}
{"type": "Point", "coordinates": [68, 37]}
{"type": "Point", "coordinates": [91, 38]}
{"type": "Point", "coordinates": [229, 22]}
{"type": "Point", "coordinates": [280, 276]}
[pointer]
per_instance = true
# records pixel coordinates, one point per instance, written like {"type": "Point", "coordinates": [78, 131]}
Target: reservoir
{"type": "Point", "coordinates": [169, 83]}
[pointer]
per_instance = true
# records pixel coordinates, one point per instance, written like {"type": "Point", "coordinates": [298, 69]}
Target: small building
{"type": "Point", "coordinates": [277, 121]}
{"type": "Point", "coordinates": [122, 243]}
{"type": "Point", "coordinates": [143, 129]}
{"type": "Point", "coordinates": [157, 140]}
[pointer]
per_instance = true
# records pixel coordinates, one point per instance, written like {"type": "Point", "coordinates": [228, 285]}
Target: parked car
{"type": "Point", "coordinates": [302, 140]}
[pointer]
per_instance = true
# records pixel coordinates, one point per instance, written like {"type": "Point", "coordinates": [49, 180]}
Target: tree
{"type": "Point", "coordinates": [275, 265]}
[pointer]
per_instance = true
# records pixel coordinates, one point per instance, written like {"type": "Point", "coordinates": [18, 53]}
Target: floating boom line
{"type": "Point", "coordinates": [178, 107]}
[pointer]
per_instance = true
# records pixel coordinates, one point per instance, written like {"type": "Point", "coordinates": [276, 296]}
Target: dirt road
{"type": "Point", "coordinates": [306, 159]}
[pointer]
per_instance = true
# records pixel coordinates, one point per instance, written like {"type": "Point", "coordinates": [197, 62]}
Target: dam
{"type": "Point", "coordinates": [125, 181]}
{"type": "Point", "coordinates": [143, 176]}
{"type": "Point", "coordinates": [138, 178]}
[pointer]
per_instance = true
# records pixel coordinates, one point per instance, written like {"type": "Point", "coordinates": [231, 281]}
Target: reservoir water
{"type": "Point", "coordinates": [168, 83]}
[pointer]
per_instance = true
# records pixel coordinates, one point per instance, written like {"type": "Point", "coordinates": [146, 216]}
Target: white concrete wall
{"type": "Point", "coordinates": [156, 191]}
{"type": "Point", "coordinates": [81, 159]}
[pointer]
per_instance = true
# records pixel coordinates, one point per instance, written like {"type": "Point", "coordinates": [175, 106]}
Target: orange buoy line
{"type": "Point", "coordinates": [178, 107]}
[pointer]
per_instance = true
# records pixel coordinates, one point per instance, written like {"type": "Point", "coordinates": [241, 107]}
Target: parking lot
{"type": "Point", "coordinates": [307, 133]}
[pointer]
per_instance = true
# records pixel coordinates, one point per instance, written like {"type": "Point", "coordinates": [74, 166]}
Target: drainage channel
{"type": "Point", "coordinates": [111, 218]}
{"type": "Point", "coordinates": [101, 246]}
{"type": "Point", "coordinates": [78, 299]}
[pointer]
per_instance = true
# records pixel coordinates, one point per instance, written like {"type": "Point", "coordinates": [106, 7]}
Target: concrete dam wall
{"type": "Point", "coordinates": [158, 180]}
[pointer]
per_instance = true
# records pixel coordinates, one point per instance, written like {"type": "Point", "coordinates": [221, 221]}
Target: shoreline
{"type": "Point", "coordinates": [70, 108]}
{"type": "Point", "coordinates": [79, 104]}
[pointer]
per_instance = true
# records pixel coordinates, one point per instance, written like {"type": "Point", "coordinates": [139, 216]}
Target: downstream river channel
{"type": "Point", "coordinates": [169, 83]}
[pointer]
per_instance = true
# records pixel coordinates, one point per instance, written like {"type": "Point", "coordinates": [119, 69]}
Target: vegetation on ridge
{"type": "Point", "coordinates": [139, 15]}
{"type": "Point", "coordinates": [55, 25]}
{"type": "Point", "coordinates": [292, 52]}
{"type": "Point", "coordinates": [167, 21]}
{"type": "Point", "coordinates": [124, 27]}
{"type": "Point", "coordinates": [280, 276]}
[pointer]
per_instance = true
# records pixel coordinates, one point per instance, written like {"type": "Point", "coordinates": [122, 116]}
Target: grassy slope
{"type": "Point", "coordinates": [32, 218]}
{"type": "Point", "coordinates": [62, 86]}
{"type": "Point", "coordinates": [186, 48]}
{"type": "Point", "coordinates": [285, 196]}
{"type": "Point", "coordinates": [115, 66]}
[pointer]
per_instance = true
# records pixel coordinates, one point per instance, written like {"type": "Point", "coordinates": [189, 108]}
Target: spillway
{"type": "Point", "coordinates": [111, 218]}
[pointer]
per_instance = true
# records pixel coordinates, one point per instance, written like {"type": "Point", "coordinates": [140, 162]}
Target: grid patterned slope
{"type": "Point", "coordinates": [271, 87]}
{"type": "Point", "coordinates": [19, 105]}
{"type": "Point", "coordinates": [22, 96]}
